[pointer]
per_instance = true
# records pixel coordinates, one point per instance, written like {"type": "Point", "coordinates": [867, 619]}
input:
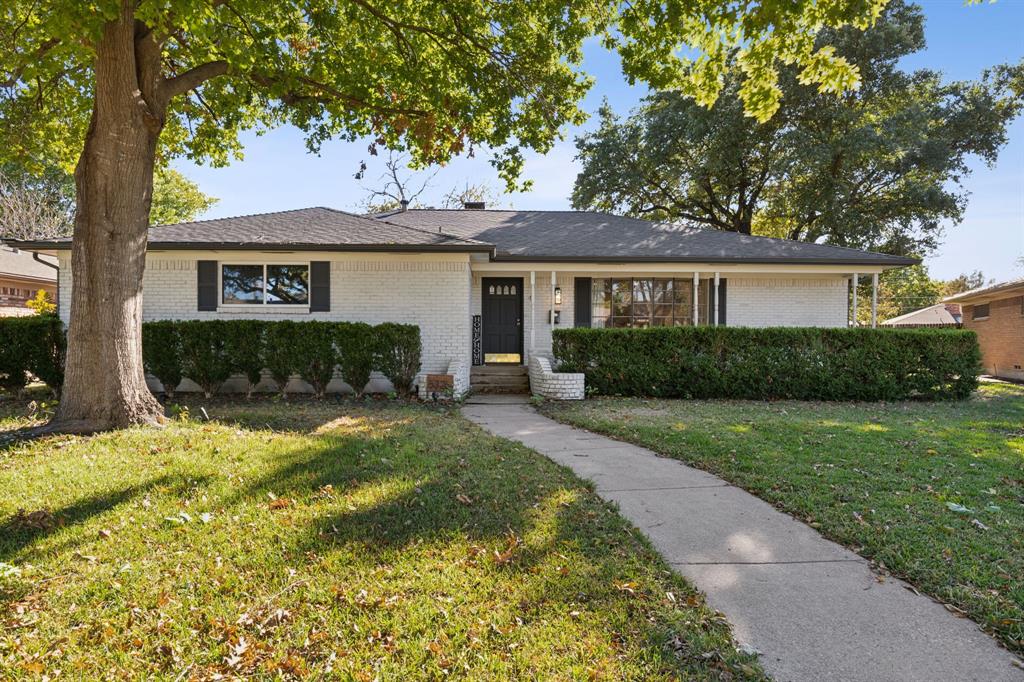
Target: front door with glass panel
{"type": "Point", "coordinates": [502, 308]}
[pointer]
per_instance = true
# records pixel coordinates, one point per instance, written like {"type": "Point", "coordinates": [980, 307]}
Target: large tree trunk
{"type": "Point", "coordinates": [105, 386]}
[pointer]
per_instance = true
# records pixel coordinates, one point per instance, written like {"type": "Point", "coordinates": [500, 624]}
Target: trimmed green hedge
{"type": "Point", "coordinates": [773, 363]}
{"type": "Point", "coordinates": [210, 351]}
{"type": "Point", "coordinates": [31, 345]}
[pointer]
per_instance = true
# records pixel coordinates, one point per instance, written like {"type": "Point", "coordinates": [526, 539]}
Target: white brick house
{"type": "Point", "coordinates": [487, 287]}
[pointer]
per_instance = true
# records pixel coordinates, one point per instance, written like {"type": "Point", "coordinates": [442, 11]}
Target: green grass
{"type": "Point", "coordinates": [879, 478]}
{"type": "Point", "coordinates": [347, 541]}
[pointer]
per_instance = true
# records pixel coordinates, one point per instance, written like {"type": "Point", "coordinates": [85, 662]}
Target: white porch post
{"type": "Point", "coordinates": [714, 318]}
{"type": "Point", "coordinates": [533, 311]}
{"type": "Point", "coordinates": [856, 278]}
{"type": "Point", "coordinates": [874, 300]}
{"type": "Point", "coordinates": [551, 310]}
{"type": "Point", "coordinates": [696, 287]}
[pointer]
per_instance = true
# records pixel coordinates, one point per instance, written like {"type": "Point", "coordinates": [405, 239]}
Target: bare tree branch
{"type": "Point", "coordinates": [28, 213]}
{"type": "Point", "coordinates": [396, 190]}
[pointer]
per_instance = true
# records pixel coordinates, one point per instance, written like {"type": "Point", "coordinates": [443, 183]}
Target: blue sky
{"type": "Point", "coordinates": [277, 173]}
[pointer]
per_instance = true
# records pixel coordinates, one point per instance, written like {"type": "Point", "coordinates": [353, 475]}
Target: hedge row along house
{"type": "Point", "coordinates": [487, 287]}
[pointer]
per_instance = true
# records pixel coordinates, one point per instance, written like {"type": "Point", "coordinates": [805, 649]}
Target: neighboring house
{"type": "Point", "coordinates": [21, 276]}
{"type": "Point", "coordinates": [996, 314]}
{"type": "Point", "coordinates": [938, 315]}
{"type": "Point", "coordinates": [487, 286]}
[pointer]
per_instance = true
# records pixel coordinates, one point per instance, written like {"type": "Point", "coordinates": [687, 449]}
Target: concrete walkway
{"type": "Point", "coordinates": [812, 608]}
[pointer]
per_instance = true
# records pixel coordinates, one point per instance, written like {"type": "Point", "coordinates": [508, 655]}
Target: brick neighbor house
{"type": "Point", "coordinates": [21, 276]}
{"type": "Point", "coordinates": [996, 313]}
{"type": "Point", "coordinates": [486, 287]}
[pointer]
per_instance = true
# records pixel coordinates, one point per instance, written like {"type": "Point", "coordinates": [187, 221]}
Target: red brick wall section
{"type": "Point", "coordinates": [1001, 336]}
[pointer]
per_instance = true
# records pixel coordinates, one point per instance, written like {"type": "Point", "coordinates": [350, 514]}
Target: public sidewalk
{"type": "Point", "coordinates": [815, 610]}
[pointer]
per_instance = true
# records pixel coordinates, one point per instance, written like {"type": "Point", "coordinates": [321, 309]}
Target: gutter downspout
{"type": "Point", "coordinates": [56, 295]}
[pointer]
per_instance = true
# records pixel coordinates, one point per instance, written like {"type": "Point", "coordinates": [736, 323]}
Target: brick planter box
{"type": "Point", "coordinates": [555, 385]}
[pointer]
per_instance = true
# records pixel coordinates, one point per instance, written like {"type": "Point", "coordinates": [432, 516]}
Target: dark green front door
{"type": "Point", "coordinates": [502, 308]}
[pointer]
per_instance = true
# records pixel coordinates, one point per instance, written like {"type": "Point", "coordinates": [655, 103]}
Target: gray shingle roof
{"type": "Point", "coordinates": [510, 235]}
{"type": "Point", "coordinates": [306, 228]}
{"type": "Point", "coordinates": [21, 264]}
{"type": "Point", "coordinates": [592, 236]}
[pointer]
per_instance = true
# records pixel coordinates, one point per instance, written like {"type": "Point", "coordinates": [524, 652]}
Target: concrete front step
{"type": "Point", "coordinates": [496, 370]}
{"type": "Point", "coordinates": [498, 379]}
{"type": "Point", "coordinates": [501, 390]}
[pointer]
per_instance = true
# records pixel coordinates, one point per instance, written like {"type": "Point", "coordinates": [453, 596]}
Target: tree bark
{"type": "Point", "coordinates": [105, 385]}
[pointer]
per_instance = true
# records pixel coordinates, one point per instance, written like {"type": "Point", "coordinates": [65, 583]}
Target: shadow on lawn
{"type": "Point", "coordinates": [27, 527]}
{"type": "Point", "coordinates": [528, 523]}
{"type": "Point", "coordinates": [409, 474]}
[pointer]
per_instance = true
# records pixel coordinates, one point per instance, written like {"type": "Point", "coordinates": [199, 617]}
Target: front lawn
{"type": "Point", "coordinates": [933, 492]}
{"type": "Point", "coordinates": [351, 541]}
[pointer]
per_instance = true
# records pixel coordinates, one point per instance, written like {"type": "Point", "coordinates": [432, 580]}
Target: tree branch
{"type": "Point", "coordinates": [193, 78]}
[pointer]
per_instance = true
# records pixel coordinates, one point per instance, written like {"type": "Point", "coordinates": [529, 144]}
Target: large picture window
{"type": "Point", "coordinates": [265, 284]}
{"type": "Point", "coordinates": [630, 302]}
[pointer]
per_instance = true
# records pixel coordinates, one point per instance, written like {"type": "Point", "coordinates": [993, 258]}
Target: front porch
{"type": "Point", "coordinates": [515, 309]}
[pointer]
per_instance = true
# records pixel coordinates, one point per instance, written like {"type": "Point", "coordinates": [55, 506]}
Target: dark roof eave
{"type": "Point", "coordinates": [893, 261]}
{"type": "Point", "coordinates": [264, 246]}
{"type": "Point", "coordinates": [480, 248]}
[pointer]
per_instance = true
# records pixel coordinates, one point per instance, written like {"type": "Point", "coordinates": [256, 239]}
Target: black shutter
{"type": "Point", "coordinates": [206, 281]}
{"type": "Point", "coordinates": [582, 302]}
{"type": "Point", "coordinates": [721, 301]}
{"type": "Point", "coordinates": [319, 286]}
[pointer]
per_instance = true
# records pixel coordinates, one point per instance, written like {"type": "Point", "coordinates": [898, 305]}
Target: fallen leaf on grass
{"type": "Point", "coordinates": [514, 542]}
{"type": "Point", "coordinates": [978, 524]}
{"type": "Point", "coordinates": [276, 617]}
{"type": "Point", "coordinates": [37, 520]}
{"type": "Point", "coordinates": [464, 499]}
{"type": "Point", "coordinates": [958, 508]}
{"type": "Point", "coordinates": [628, 587]}
{"type": "Point", "coordinates": [280, 503]}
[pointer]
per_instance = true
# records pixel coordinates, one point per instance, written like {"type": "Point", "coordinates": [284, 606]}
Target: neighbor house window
{"type": "Point", "coordinates": [630, 302]}
{"type": "Point", "coordinates": [979, 311]}
{"type": "Point", "coordinates": [265, 284]}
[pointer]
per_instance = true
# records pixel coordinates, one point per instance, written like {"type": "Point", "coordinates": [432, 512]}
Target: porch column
{"type": "Point", "coordinates": [533, 311]}
{"type": "Point", "coordinates": [551, 312]}
{"type": "Point", "coordinates": [874, 300]}
{"type": "Point", "coordinates": [856, 278]}
{"type": "Point", "coordinates": [714, 317]}
{"type": "Point", "coordinates": [696, 287]}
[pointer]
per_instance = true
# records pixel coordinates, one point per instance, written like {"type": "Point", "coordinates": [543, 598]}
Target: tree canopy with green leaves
{"type": "Point", "coordinates": [176, 199]}
{"type": "Point", "coordinates": [116, 88]}
{"type": "Point", "coordinates": [878, 167]}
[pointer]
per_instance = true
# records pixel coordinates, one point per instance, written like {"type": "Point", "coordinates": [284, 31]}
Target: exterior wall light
{"type": "Point", "coordinates": [558, 295]}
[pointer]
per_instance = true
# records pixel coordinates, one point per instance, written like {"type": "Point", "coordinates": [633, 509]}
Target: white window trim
{"type": "Point", "coordinates": [263, 305]}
